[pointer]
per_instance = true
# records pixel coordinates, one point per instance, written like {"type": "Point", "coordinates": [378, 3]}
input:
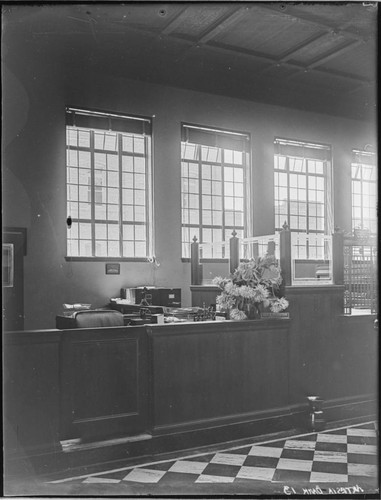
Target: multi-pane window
{"type": "Point", "coordinates": [108, 171]}
{"type": "Point", "coordinates": [302, 175]}
{"type": "Point", "coordinates": [214, 187]}
{"type": "Point", "coordinates": [364, 197]}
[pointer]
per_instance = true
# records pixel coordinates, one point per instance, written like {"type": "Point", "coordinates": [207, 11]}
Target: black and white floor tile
{"type": "Point", "coordinates": [341, 457]}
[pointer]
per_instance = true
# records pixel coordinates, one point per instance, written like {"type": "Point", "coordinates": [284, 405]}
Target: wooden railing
{"type": "Point", "coordinates": [278, 245]}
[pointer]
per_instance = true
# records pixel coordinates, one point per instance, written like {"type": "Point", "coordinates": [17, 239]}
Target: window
{"type": "Point", "coordinates": [215, 187]}
{"type": "Point", "coordinates": [302, 175]}
{"type": "Point", "coordinates": [109, 192]}
{"type": "Point", "coordinates": [364, 191]}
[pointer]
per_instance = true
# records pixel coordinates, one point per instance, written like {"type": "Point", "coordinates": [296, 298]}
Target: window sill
{"type": "Point", "coordinates": [106, 259]}
{"type": "Point", "coordinates": [208, 261]}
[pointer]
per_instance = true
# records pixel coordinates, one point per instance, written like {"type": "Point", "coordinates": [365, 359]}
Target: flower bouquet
{"type": "Point", "coordinates": [254, 285]}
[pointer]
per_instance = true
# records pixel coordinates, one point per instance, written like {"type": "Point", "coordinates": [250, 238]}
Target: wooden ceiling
{"type": "Point", "coordinates": [313, 56]}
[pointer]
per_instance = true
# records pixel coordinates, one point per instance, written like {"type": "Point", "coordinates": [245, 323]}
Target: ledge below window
{"type": "Point", "coordinates": [106, 259]}
{"type": "Point", "coordinates": [207, 261]}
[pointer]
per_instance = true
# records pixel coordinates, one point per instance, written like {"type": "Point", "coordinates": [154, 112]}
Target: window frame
{"type": "Point", "coordinates": [120, 223]}
{"type": "Point", "coordinates": [246, 186]}
{"type": "Point", "coordinates": [356, 160]}
{"type": "Point", "coordinates": [326, 175]}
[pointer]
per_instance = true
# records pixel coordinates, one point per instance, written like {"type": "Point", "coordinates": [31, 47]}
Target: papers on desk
{"type": "Point", "coordinates": [122, 301]}
{"type": "Point", "coordinates": [76, 307]}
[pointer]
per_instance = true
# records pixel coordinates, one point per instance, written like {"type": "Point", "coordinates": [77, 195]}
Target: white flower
{"type": "Point", "coordinates": [261, 293]}
{"type": "Point", "coordinates": [218, 281]}
{"type": "Point", "coordinates": [279, 305]}
{"type": "Point", "coordinates": [262, 290]}
{"type": "Point", "coordinates": [225, 301]}
{"type": "Point", "coordinates": [237, 315]}
{"type": "Point", "coordinates": [232, 289]}
{"type": "Point", "coordinates": [253, 282]}
{"type": "Point", "coordinates": [246, 292]}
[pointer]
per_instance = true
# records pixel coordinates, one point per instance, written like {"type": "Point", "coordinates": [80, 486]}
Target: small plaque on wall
{"type": "Point", "coordinates": [112, 268]}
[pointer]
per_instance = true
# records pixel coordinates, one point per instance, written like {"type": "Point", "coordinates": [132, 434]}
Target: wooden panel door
{"type": "Point", "coordinates": [14, 249]}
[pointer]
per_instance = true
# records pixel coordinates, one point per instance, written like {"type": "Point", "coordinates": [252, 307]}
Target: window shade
{"type": "Point", "coordinates": [302, 150]}
{"type": "Point", "coordinates": [101, 121]}
{"type": "Point", "coordinates": [364, 157]}
{"type": "Point", "coordinates": [215, 138]}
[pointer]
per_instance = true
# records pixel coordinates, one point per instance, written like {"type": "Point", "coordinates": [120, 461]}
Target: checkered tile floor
{"type": "Point", "coordinates": [343, 456]}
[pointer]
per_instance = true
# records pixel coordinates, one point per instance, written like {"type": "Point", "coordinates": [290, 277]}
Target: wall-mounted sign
{"type": "Point", "coordinates": [112, 268]}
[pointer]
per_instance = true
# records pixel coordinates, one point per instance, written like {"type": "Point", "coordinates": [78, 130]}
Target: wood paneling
{"type": "Point", "coordinates": [353, 354]}
{"type": "Point", "coordinates": [189, 383]}
{"type": "Point", "coordinates": [210, 372]}
{"type": "Point", "coordinates": [331, 355]}
{"type": "Point", "coordinates": [31, 392]}
{"type": "Point", "coordinates": [103, 382]}
{"type": "Point", "coordinates": [314, 312]}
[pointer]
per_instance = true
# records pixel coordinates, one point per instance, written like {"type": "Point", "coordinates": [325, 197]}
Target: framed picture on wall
{"type": "Point", "coordinates": [8, 264]}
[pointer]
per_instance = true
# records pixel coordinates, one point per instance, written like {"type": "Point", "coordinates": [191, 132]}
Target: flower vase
{"type": "Point", "coordinates": [252, 311]}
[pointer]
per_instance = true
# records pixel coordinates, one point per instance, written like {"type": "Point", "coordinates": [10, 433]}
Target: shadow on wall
{"type": "Point", "coordinates": [15, 106]}
{"type": "Point", "coordinates": [15, 114]}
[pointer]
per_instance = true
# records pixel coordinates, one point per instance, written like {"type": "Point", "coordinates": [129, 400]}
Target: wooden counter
{"type": "Point", "coordinates": [217, 373]}
{"type": "Point", "coordinates": [103, 382]}
{"type": "Point", "coordinates": [187, 384]}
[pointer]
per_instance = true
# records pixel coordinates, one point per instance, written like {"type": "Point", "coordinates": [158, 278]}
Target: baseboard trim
{"type": "Point", "coordinates": [338, 409]}
{"type": "Point", "coordinates": [208, 432]}
{"type": "Point", "coordinates": [31, 451]}
{"type": "Point", "coordinates": [72, 445]}
{"type": "Point", "coordinates": [342, 409]}
{"type": "Point", "coordinates": [225, 421]}
{"type": "Point", "coordinates": [346, 409]}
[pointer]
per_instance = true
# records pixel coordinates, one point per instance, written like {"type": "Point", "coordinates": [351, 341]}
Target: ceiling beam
{"type": "Point", "coordinates": [245, 53]}
{"type": "Point", "coordinates": [229, 21]}
{"type": "Point", "coordinates": [333, 74]}
{"type": "Point", "coordinates": [328, 57]}
{"type": "Point", "coordinates": [238, 14]}
{"type": "Point", "coordinates": [297, 17]}
{"type": "Point", "coordinates": [266, 80]}
{"type": "Point", "coordinates": [294, 51]}
{"type": "Point", "coordinates": [335, 53]}
{"type": "Point", "coordinates": [300, 47]}
{"type": "Point", "coordinates": [190, 45]}
{"type": "Point", "coordinates": [320, 60]}
{"type": "Point", "coordinates": [220, 25]}
{"type": "Point", "coordinates": [174, 23]}
{"type": "Point", "coordinates": [356, 40]}
{"type": "Point", "coordinates": [260, 57]}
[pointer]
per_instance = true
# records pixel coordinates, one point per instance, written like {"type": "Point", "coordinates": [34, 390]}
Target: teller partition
{"type": "Point", "coordinates": [303, 259]}
{"type": "Point", "coordinates": [232, 251]}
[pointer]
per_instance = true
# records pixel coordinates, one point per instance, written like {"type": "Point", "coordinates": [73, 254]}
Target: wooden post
{"type": "Point", "coordinates": [195, 262]}
{"type": "Point", "coordinates": [255, 250]}
{"type": "Point", "coordinates": [285, 255]}
{"type": "Point", "coordinates": [200, 274]}
{"type": "Point", "coordinates": [338, 257]}
{"type": "Point", "coordinates": [234, 252]}
{"type": "Point", "coordinates": [271, 248]}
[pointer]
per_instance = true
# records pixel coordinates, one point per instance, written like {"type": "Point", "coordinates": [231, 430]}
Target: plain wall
{"type": "Point", "coordinates": [37, 86]}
